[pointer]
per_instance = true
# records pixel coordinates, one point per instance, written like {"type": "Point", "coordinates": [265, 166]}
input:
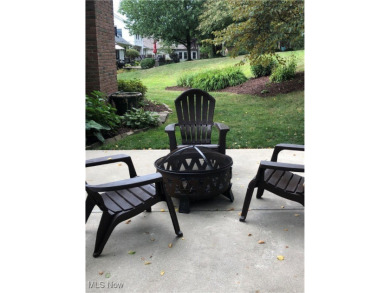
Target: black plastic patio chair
{"type": "Point", "coordinates": [277, 178]}
{"type": "Point", "coordinates": [195, 112]}
{"type": "Point", "coordinates": [124, 199]}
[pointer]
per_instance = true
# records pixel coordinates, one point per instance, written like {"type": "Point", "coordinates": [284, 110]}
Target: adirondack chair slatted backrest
{"type": "Point", "coordinates": [195, 113]}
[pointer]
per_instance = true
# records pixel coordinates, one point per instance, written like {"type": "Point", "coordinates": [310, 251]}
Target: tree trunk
{"type": "Point", "coordinates": [188, 47]}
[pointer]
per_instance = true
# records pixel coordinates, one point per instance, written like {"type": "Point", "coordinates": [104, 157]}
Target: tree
{"type": "Point", "coordinates": [174, 22]}
{"type": "Point", "coordinates": [216, 15]}
{"type": "Point", "coordinates": [259, 26]}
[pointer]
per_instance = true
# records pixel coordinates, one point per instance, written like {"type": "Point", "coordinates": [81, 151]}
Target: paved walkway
{"type": "Point", "coordinates": [218, 253]}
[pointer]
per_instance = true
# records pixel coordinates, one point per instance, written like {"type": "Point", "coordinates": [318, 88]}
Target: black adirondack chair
{"type": "Point", "coordinates": [195, 112]}
{"type": "Point", "coordinates": [124, 199]}
{"type": "Point", "coordinates": [277, 178]}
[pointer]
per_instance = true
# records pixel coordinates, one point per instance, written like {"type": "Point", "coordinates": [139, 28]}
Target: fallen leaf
{"type": "Point", "coordinates": [182, 238]}
{"type": "Point", "coordinates": [108, 275]}
{"type": "Point", "coordinates": [152, 239]}
{"type": "Point", "coordinates": [297, 215]}
{"type": "Point", "coordinates": [282, 207]}
{"type": "Point", "coordinates": [131, 252]}
{"type": "Point", "coordinates": [162, 210]}
{"type": "Point", "coordinates": [176, 209]}
{"type": "Point", "coordinates": [109, 158]}
{"type": "Point", "coordinates": [231, 209]}
{"type": "Point", "coordinates": [285, 229]}
{"type": "Point", "coordinates": [147, 263]}
{"type": "Point", "coordinates": [280, 257]}
{"type": "Point", "coordinates": [239, 214]}
{"type": "Point", "coordinates": [286, 246]}
{"type": "Point", "coordinates": [101, 273]}
{"type": "Point", "coordinates": [119, 164]}
{"type": "Point", "coordinates": [261, 242]}
{"type": "Point", "coordinates": [128, 221]}
{"type": "Point", "coordinates": [170, 245]}
{"type": "Point", "coordinates": [142, 258]}
{"type": "Point", "coordinates": [249, 234]}
{"type": "Point", "coordinates": [162, 273]}
{"type": "Point", "coordinates": [116, 145]}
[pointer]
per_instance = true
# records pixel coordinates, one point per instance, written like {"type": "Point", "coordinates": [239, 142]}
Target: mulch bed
{"type": "Point", "coordinates": [256, 86]}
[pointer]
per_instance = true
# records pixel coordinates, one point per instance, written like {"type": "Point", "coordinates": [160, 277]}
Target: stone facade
{"type": "Point", "coordinates": [100, 47]}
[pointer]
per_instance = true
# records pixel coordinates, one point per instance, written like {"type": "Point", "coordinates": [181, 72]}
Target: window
{"type": "Point", "coordinates": [180, 55]}
{"type": "Point", "coordinates": [185, 55]}
{"type": "Point", "coordinates": [193, 55]}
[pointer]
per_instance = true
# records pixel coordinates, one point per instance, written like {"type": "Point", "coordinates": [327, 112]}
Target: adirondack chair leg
{"type": "Point", "coordinates": [172, 212]}
{"type": "Point", "coordinates": [89, 205]}
{"type": "Point", "coordinates": [106, 226]}
{"type": "Point", "coordinates": [247, 200]}
{"type": "Point", "coordinates": [260, 191]}
{"type": "Point", "coordinates": [149, 210]}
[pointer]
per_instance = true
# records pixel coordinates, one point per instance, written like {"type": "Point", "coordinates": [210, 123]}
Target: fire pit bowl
{"type": "Point", "coordinates": [195, 173]}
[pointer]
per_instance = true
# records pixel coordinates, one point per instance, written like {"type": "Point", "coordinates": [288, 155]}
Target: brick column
{"type": "Point", "coordinates": [100, 47]}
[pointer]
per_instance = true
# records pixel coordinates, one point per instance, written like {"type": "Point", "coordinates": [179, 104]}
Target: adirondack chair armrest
{"type": "Point", "coordinates": [284, 146]}
{"type": "Point", "coordinates": [113, 159]}
{"type": "Point", "coordinates": [221, 127]}
{"type": "Point", "coordinates": [282, 166]}
{"type": "Point", "coordinates": [170, 130]}
{"type": "Point", "coordinates": [127, 183]}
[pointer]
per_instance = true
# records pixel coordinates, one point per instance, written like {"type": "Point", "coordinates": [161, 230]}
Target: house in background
{"type": "Point", "coordinates": [120, 44]}
{"type": "Point", "coordinates": [181, 50]}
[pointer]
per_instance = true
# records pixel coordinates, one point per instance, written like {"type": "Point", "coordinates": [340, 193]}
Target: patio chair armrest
{"type": "Point", "coordinates": [282, 166]}
{"type": "Point", "coordinates": [113, 159]}
{"type": "Point", "coordinates": [170, 130]}
{"type": "Point", "coordinates": [128, 183]}
{"type": "Point", "coordinates": [221, 127]}
{"type": "Point", "coordinates": [285, 146]}
{"type": "Point", "coordinates": [223, 130]}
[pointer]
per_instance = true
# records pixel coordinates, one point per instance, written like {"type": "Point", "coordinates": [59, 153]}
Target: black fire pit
{"type": "Point", "coordinates": [194, 173]}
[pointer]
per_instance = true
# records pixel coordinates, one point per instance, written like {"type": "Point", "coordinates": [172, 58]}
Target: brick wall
{"type": "Point", "coordinates": [100, 47]}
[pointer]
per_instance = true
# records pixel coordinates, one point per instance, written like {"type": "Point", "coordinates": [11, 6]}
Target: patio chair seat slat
{"type": "Point", "coordinates": [282, 184]}
{"type": "Point", "coordinates": [275, 177]}
{"type": "Point", "coordinates": [292, 186]}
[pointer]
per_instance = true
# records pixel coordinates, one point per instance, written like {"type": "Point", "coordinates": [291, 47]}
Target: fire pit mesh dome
{"type": "Point", "coordinates": [193, 159]}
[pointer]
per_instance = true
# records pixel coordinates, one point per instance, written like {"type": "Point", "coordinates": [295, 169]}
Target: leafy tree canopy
{"type": "Point", "coordinates": [259, 25]}
{"type": "Point", "coordinates": [174, 22]}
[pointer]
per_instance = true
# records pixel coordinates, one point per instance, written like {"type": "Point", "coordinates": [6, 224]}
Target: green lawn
{"type": "Point", "coordinates": [254, 122]}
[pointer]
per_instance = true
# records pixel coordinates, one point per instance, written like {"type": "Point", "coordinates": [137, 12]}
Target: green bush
{"type": "Point", "coordinates": [100, 117]}
{"type": "Point", "coordinates": [147, 63]}
{"type": "Point", "coordinates": [264, 70]}
{"type": "Point", "coordinates": [285, 71]}
{"type": "Point", "coordinates": [138, 118]}
{"type": "Point", "coordinates": [213, 79]}
{"type": "Point", "coordinates": [132, 53]}
{"type": "Point", "coordinates": [132, 85]}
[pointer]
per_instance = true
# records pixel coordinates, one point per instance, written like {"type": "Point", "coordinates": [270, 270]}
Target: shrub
{"type": "Point", "coordinates": [213, 79]}
{"type": "Point", "coordinates": [285, 71]}
{"type": "Point", "coordinates": [264, 70]}
{"type": "Point", "coordinates": [132, 53]}
{"type": "Point", "coordinates": [100, 116]}
{"type": "Point", "coordinates": [138, 118]}
{"type": "Point", "coordinates": [175, 57]}
{"type": "Point", "coordinates": [147, 63]}
{"type": "Point", "coordinates": [132, 85]}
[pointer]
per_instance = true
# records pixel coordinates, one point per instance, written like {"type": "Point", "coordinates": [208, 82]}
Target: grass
{"type": "Point", "coordinates": [254, 122]}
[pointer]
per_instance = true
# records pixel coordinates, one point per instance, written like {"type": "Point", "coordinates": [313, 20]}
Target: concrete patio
{"type": "Point", "coordinates": [218, 253]}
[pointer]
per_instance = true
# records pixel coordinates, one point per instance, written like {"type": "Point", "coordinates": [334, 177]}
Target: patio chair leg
{"type": "Point", "coordinates": [247, 200]}
{"type": "Point", "coordinates": [260, 191]}
{"type": "Point", "coordinates": [106, 226]}
{"type": "Point", "coordinates": [149, 210]}
{"type": "Point", "coordinates": [89, 205]}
